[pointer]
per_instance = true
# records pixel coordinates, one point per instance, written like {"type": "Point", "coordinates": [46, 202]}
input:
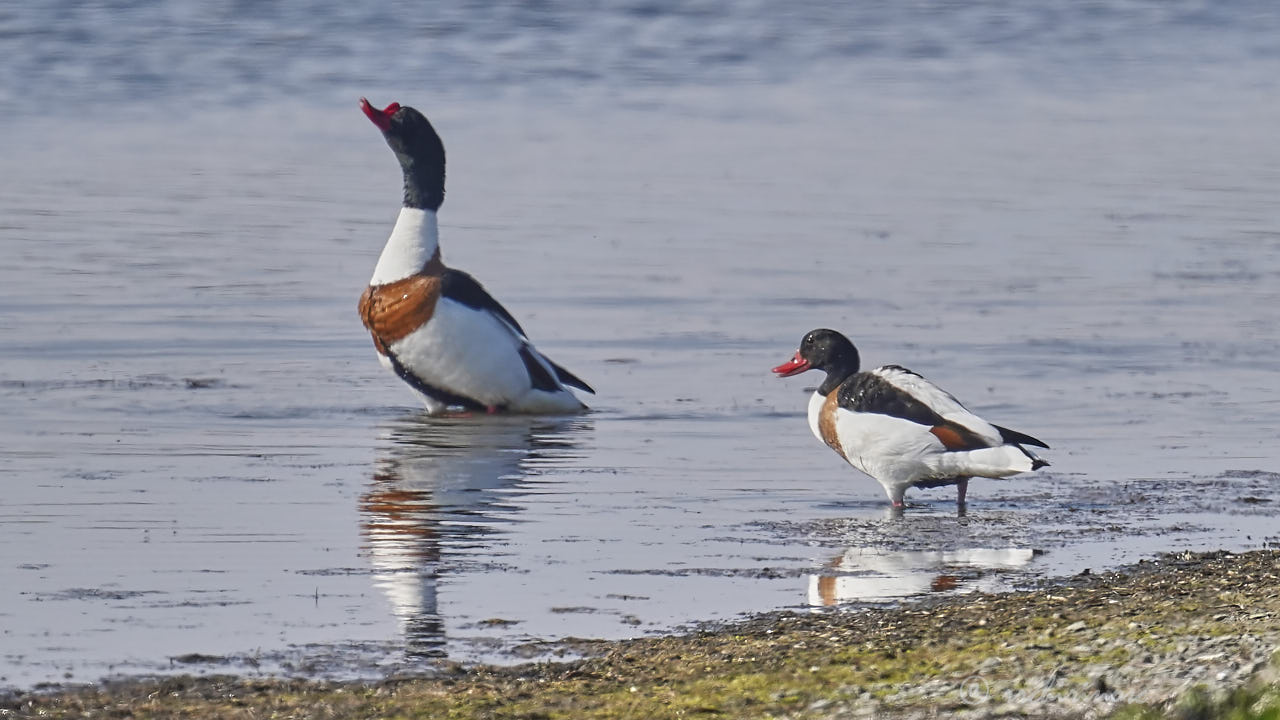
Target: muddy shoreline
{"type": "Point", "coordinates": [1085, 646]}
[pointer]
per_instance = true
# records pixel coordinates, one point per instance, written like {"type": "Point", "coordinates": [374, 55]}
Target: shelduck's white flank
{"type": "Point", "coordinates": [474, 353]}
{"type": "Point", "coordinates": [413, 241]}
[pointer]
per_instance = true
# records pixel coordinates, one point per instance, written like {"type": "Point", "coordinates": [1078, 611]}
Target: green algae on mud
{"type": "Point", "coordinates": [1131, 642]}
{"type": "Point", "coordinates": [1258, 701]}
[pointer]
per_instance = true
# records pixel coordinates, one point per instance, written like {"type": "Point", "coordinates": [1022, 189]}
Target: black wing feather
{"type": "Point", "coordinates": [869, 393]}
{"type": "Point", "coordinates": [461, 287]}
{"type": "Point", "coordinates": [539, 376]}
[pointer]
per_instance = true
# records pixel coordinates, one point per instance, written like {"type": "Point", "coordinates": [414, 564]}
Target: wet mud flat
{"type": "Point", "coordinates": [1136, 642]}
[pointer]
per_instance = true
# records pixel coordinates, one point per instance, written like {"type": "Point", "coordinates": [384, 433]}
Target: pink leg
{"type": "Point", "coordinates": [895, 497]}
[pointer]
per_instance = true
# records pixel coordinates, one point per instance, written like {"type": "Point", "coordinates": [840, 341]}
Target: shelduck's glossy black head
{"type": "Point", "coordinates": [827, 350]}
{"type": "Point", "coordinates": [417, 147]}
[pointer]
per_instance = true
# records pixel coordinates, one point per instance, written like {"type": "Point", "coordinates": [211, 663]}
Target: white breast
{"type": "Point", "coordinates": [815, 410]}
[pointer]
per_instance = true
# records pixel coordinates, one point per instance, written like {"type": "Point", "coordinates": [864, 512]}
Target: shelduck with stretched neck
{"type": "Point", "coordinates": [437, 328]}
{"type": "Point", "coordinates": [898, 427]}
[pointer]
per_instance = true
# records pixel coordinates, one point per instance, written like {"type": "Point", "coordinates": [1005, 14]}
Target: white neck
{"type": "Point", "coordinates": [413, 241]}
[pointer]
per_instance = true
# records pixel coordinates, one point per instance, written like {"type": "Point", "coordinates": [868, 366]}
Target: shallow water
{"type": "Point", "coordinates": [205, 468]}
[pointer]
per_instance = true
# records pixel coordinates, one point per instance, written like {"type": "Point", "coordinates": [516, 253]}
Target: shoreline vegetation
{"type": "Point", "coordinates": [1183, 636]}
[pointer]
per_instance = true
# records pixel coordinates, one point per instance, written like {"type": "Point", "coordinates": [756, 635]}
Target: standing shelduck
{"type": "Point", "coordinates": [436, 327]}
{"type": "Point", "coordinates": [898, 427]}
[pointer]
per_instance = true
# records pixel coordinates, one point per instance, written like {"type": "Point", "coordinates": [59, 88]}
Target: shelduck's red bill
{"type": "Point", "coordinates": [381, 118]}
{"type": "Point", "coordinates": [794, 366]}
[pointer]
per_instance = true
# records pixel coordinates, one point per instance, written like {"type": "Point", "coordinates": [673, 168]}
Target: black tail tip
{"type": "Point", "coordinates": [1037, 463]}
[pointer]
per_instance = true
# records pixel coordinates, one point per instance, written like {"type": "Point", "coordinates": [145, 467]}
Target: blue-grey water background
{"type": "Point", "coordinates": [1065, 213]}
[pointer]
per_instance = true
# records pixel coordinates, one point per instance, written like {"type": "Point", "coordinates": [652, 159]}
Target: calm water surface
{"type": "Point", "coordinates": [206, 469]}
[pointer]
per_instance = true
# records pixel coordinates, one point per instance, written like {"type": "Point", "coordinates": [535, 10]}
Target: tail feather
{"type": "Point", "coordinates": [992, 462]}
{"type": "Point", "coordinates": [1037, 462]}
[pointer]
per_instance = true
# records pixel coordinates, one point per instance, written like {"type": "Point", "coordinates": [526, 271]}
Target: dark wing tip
{"type": "Point", "coordinates": [569, 378]}
{"type": "Point", "coordinates": [1038, 463]}
{"type": "Point", "coordinates": [539, 378]}
{"type": "Point", "coordinates": [542, 379]}
{"type": "Point", "coordinates": [1016, 438]}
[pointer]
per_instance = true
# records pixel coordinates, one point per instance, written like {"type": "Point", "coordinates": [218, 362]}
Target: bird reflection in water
{"type": "Point", "coordinates": [874, 575]}
{"type": "Point", "coordinates": [447, 482]}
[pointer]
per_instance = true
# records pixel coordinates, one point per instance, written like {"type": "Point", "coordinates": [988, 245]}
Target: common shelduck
{"type": "Point", "coordinates": [436, 327]}
{"type": "Point", "coordinates": [898, 427]}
